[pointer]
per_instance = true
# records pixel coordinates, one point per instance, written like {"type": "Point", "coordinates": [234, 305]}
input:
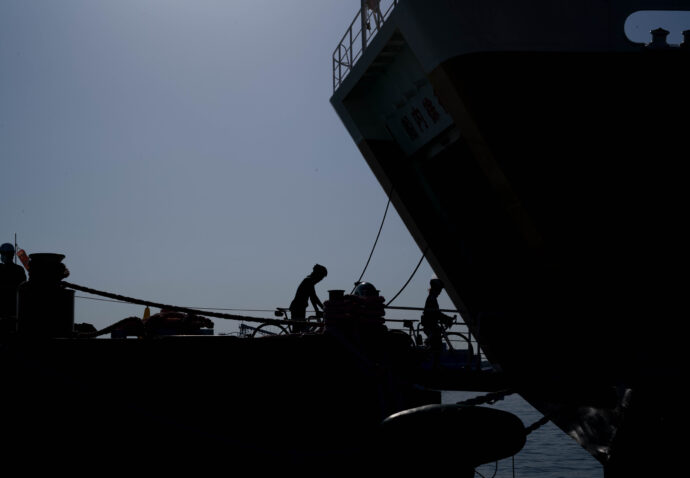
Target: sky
{"type": "Point", "coordinates": [186, 153]}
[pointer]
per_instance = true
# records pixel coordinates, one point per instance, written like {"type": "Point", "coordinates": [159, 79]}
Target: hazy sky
{"type": "Point", "coordinates": [186, 152]}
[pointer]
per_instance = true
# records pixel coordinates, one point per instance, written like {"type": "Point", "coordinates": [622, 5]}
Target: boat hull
{"type": "Point", "coordinates": [547, 188]}
{"type": "Point", "coordinates": [311, 403]}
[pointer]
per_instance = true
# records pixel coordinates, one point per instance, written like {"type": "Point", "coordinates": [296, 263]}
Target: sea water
{"type": "Point", "coordinates": [548, 452]}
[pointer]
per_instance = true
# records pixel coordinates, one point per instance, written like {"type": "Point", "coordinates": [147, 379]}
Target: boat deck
{"type": "Point", "coordinates": [291, 397]}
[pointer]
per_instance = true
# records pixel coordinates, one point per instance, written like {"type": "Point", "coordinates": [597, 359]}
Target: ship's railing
{"type": "Point", "coordinates": [364, 27]}
{"type": "Point", "coordinates": [459, 336]}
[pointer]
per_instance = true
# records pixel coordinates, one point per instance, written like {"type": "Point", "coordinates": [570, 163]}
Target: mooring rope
{"type": "Point", "coordinates": [489, 398]}
{"type": "Point", "coordinates": [536, 425]}
{"type": "Point", "coordinates": [409, 279]}
{"type": "Point", "coordinates": [494, 397]}
{"type": "Point", "coordinates": [492, 476]}
{"type": "Point", "coordinates": [376, 241]}
{"type": "Point", "coordinates": [392, 307]}
{"type": "Point", "coordinates": [395, 307]}
{"type": "Point", "coordinates": [189, 307]}
{"type": "Point", "coordinates": [187, 310]}
{"type": "Point", "coordinates": [197, 311]}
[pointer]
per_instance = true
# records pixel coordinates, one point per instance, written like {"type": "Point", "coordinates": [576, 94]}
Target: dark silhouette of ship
{"type": "Point", "coordinates": [538, 155]}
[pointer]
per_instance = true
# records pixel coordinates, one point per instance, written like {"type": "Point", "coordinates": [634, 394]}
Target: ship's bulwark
{"type": "Point", "coordinates": [557, 221]}
{"type": "Point", "coordinates": [311, 403]}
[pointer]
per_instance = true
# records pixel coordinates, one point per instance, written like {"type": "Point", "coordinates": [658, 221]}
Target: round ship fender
{"type": "Point", "coordinates": [464, 435]}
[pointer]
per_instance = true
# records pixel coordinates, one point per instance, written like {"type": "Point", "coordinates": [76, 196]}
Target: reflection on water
{"type": "Point", "coordinates": [548, 453]}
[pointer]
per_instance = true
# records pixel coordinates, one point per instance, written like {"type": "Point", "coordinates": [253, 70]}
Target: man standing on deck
{"type": "Point", "coordinates": [432, 317]}
{"type": "Point", "coordinates": [305, 292]}
{"type": "Point", "coordinates": [11, 275]}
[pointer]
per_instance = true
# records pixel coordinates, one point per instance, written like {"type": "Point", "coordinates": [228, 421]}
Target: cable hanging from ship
{"type": "Point", "coordinates": [371, 253]}
{"type": "Point", "coordinates": [493, 397]}
{"type": "Point", "coordinates": [537, 425]}
{"type": "Point", "coordinates": [390, 193]}
{"type": "Point", "coordinates": [489, 398]}
{"type": "Point", "coordinates": [492, 476]}
{"type": "Point", "coordinates": [209, 311]}
{"type": "Point", "coordinates": [410, 278]}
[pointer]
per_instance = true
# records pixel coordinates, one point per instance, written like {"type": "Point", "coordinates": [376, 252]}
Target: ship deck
{"type": "Point", "coordinates": [293, 398]}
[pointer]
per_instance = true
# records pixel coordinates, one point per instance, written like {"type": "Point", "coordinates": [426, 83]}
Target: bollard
{"type": "Point", "coordinates": [44, 307]}
{"type": "Point", "coordinates": [659, 41]}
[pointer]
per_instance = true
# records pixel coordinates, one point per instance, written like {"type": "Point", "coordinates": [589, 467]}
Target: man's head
{"type": "Point", "coordinates": [435, 285]}
{"type": "Point", "coordinates": [7, 252]}
{"type": "Point", "coordinates": [319, 272]}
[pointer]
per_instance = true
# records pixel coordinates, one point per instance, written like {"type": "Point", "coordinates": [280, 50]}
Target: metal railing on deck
{"type": "Point", "coordinates": [366, 24]}
{"type": "Point", "coordinates": [458, 336]}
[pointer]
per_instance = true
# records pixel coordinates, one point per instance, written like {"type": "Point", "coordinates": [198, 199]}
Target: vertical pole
{"type": "Point", "coordinates": [479, 350]}
{"type": "Point", "coordinates": [340, 65]}
{"type": "Point", "coordinates": [14, 259]}
{"type": "Point", "coordinates": [363, 15]}
{"type": "Point", "coordinates": [350, 51]}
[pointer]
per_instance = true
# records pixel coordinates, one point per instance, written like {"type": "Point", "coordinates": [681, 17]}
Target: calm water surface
{"type": "Point", "coordinates": [548, 453]}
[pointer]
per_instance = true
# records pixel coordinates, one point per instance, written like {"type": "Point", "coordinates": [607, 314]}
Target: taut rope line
{"type": "Point", "coordinates": [189, 310]}
{"type": "Point", "coordinates": [178, 308]}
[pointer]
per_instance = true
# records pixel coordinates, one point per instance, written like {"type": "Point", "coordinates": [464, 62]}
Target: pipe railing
{"type": "Point", "coordinates": [412, 327]}
{"type": "Point", "coordinates": [358, 35]}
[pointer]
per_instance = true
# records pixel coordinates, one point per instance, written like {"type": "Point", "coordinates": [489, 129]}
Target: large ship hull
{"type": "Point", "coordinates": [542, 171]}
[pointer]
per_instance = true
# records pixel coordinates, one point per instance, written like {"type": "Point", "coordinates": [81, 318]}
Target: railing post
{"type": "Point", "coordinates": [333, 68]}
{"type": "Point", "coordinates": [363, 15]}
{"type": "Point", "coordinates": [350, 50]}
{"type": "Point", "coordinates": [340, 65]}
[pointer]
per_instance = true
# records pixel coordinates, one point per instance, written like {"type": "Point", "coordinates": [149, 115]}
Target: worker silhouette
{"type": "Point", "coordinates": [11, 275]}
{"type": "Point", "coordinates": [432, 317]}
{"type": "Point", "coordinates": [305, 292]}
{"type": "Point", "coordinates": [375, 7]}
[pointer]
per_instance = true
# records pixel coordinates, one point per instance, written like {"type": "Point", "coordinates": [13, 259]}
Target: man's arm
{"type": "Point", "coordinates": [314, 299]}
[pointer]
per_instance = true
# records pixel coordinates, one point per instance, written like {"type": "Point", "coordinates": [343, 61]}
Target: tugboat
{"type": "Point", "coordinates": [538, 156]}
{"type": "Point", "coordinates": [343, 393]}
{"type": "Point", "coordinates": [163, 392]}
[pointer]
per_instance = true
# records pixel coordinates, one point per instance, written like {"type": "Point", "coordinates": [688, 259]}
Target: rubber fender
{"type": "Point", "coordinates": [464, 435]}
